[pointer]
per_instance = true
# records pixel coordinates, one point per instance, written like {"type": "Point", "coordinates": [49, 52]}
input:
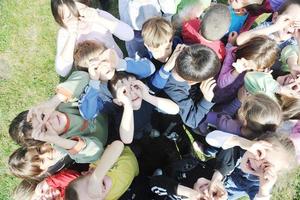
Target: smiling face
{"type": "Point", "coordinates": [132, 91]}
{"type": "Point", "coordinates": [274, 158]}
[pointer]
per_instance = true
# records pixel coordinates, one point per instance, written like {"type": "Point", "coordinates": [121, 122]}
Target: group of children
{"type": "Point", "coordinates": [203, 107]}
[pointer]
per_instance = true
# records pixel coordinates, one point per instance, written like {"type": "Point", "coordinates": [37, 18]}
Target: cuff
{"type": "Point", "coordinates": [95, 84]}
{"type": "Point", "coordinates": [206, 104]}
{"type": "Point", "coordinates": [65, 92]}
{"type": "Point", "coordinates": [212, 118]}
{"type": "Point", "coordinates": [163, 73]}
{"type": "Point", "coordinates": [78, 146]}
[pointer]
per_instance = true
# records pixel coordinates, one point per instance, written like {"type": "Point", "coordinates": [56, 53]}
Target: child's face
{"type": "Point", "coordinates": [66, 14]}
{"type": "Point", "coordinates": [132, 91]}
{"type": "Point", "coordinates": [57, 120]}
{"type": "Point", "coordinates": [83, 184]}
{"type": "Point", "coordinates": [44, 191]}
{"type": "Point", "coordinates": [251, 165]}
{"type": "Point", "coordinates": [237, 4]}
{"type": "Point", "coordinates": [163, 52]}
{"type": "Point", "coordinates": [104, 66]}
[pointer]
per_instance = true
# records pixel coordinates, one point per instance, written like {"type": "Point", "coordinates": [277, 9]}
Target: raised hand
{"type": "Point", "coordinates": [171, 62]}
{"type": "Point", "coordinates": [207, 88]}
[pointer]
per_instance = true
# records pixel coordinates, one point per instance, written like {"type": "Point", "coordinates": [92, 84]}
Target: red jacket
{"type": "Point", "coordinates": [190, 34]}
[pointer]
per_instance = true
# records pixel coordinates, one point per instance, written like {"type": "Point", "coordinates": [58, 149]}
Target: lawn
{"type": "Point", "coordinates": [27, 75]}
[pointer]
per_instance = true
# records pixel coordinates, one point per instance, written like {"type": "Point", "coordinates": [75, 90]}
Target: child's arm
{"type": "Point", "coordinates": [120, 29]}
{"type": "Point", "coordinates": [143, 68]}
{"type": "Point", "coordinates": [127, 123]}
{"type": "Point", "coordinates": [107, 160]}
{"type": "Point", "coordinates": [66, 41]}
{"type": "Point", "coordinates": [81, 149]}
{"type": "Point", "coordinates": [282, 22]}
{"type": "Point", "coordinates": [159, 80]}
{"type": "Point", "coordinates": [166, 105]}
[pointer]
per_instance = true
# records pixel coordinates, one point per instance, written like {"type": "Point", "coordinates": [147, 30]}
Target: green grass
{"type": "Point", "coordinates": [27, 75]}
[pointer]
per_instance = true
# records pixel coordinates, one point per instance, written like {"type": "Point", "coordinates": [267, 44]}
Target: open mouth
{"type": "Point", "coordinates": [249, 166]}
{"type": "Point", "coordinates": [135, 99]}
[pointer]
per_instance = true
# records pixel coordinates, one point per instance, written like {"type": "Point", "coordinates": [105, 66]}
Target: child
{"type": "Point", "coordinates": [37, 162]}
{"type": "Point", "coordinates": [159, 39]}
{"type": "Point", "coordinates": [196, 63]}
{"type": "Point", "coordinates": [136, 13]}
{"type": "Point", "coordinates": [259, 54]}
{"type": "Point", "coordinates": [281, 29]}
{"type": "Point", "coordinates": [209, 31]}
{"type": "Point", "coordinates": [52, 187]}
{"type": "Point", "coordinates": [64, 127]}
{"type": "Point", "coordinates": [255, 171]}
{"type": "Point", "coordinates": [78, 23]}
{"type": "Point", "coordinates": [138, 106]}
{"type": "Point", "coordinates": [258, 114]}
{"type": "Point", "coordinates": [110, 179]}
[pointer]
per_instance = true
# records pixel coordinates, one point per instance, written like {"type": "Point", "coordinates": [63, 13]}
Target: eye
{"type": "Point", "coordinates": [42, 116]}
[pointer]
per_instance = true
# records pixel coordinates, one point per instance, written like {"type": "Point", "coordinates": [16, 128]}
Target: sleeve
{"type": "Point", "coordinates": [191, 113]}
{"type": "Point", "coordinates": [217, 138]}
{"type": "Point", "coordinates": [190, 31]}
{"type": "Point", "coordinates": [168, 6]}
{"type": "Point", "coordinates": [232, 108]}
{"type": "Point", "coordinates": [62, 66]}
{"type": "Point", "coordinates": [90, 104]}
{"type": "Point", "coordinates": [159, 80]}
{"type": "Point", "coordinates": [123, 31]}
{"type": "Point", "coordinates": [226, 161]}
{"type": "Point", "coordinates": [74, 86]}
{"type": "Point", "coordinates": [225, 77]}
{"type": "Point", "coordinates": [143, 68]}
{"type": "Point", "coordinates": [163, 186]}
{"type": "Point", "coordinates": [288, 51]}
{"type": "Point", "coordinates": [90, 150]}
{"type": "Point", "coordinates": [224, 122]}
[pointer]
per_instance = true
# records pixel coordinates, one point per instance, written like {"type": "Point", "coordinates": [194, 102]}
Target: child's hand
{"type": "Point", "coordinates": [171, 62]}
{"type": "Point", "coordinates": [283, 21]}
{"type": "Point", "coordinates": [258, 148]}
{"type": "Point", "coordinates": [45, 133]}
{"type": "Point", "coordinates": [267, 179]}
{"type": "Point", "coordinates": [42, 112]}
{"type": "Point", "coordinates": [94, 71]}
{"type": "Point", "coordinates": [122, 98]}
{"type": "Point", "coordinates": [232, 37]}
{"type": "Point", "coordinates": [141, 86]}
{"type": "Point", "coordinates": [44, 192]}
{"type": "Point", "coordinates": [216, 190]}
{"type": "Point", "coordinates": [241, 65]}
{"type": "Point", "coordinates": [207, 88]}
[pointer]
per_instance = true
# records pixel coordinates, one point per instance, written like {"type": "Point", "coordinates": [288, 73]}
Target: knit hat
{"type": "Point", "coordinates": [256, 82]}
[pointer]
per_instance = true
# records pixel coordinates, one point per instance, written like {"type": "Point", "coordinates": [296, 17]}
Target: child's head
{"type": "Point", "coordinates": [64, 11]}
{"type": "Point", "coordinates": [216, 22]}
{"type": "Point", "coordinates": [158, 34]}
{"type": "Point", "coordinates": [258, 54]}
{"type": "Point", "coordinates": [290, 107]}
{"type": "Point", "coordinates": [32, 162]}
{"type": "Point", "coordinates": [259, 113]}
{"type": "Point", "coordinates": [252, 6]}
{"type": "Point", "coordinates": [95, 54]}
{"type": "Point", "coordinates": [77, 189]}
{"type": "Point", "coordinates": [277, 157]}
{"type": "Point", "coordinates": [21, 130]}
{"type": "Point", "coordinates": [126, 81]}
{"type": "Point", "coordinates": [197, 63]}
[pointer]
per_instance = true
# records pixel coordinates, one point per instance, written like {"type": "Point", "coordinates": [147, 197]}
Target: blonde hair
{"type": "Point", "coordinates": [290, 107]}
{"type": "Point", "coordinates": [261, 114]}
{"type": "Point", "coordinates": [85, 52]}
{"type": "Point", "coordinates": [157, 31]}
{"type": "Point", "coordinates": [25, 190]}
{"type": "Point", "coordinates": [26, 162]}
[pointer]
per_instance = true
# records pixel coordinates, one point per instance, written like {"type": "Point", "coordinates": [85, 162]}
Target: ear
{"type": "Point", "coordinates": [274, 17]}
{"type": "Point", "coordinates": [116, 101]}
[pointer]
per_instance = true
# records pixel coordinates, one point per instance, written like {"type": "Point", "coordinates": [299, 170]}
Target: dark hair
{"type": "Point", "coordinates": [262, 50]}
{"type": "Point", "coordinates": [55, 4]}
{"type": "Point", "coordinates": [216, 22]}
{"type": "Point", "coordinates": [118, 76]}
{"type": "Point", "coordinates": [256, 9]}
{"type": "Point", "coordinates": [20, 130]}
{"type": "Point", "coordinates": [197, 63]}
{"type": "Point", "coordinates": [287, 4]}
